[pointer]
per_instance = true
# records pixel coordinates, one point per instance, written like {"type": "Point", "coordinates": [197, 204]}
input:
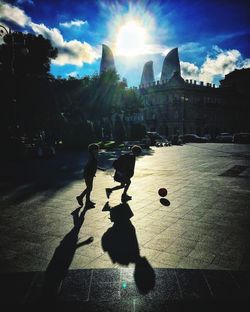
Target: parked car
{"type": "Point", "coordinates": [208, 136]}
{"type": "Point", "coordinates": [242, 137]}
{"type": "Point", "coordinates": [155, 137]}
{"type": "Point", "coordinates": [224, 137]}
{"type": "Point", "coordinates": [194, 138]}
{"type": "Point", "coordinates": [176, 139]}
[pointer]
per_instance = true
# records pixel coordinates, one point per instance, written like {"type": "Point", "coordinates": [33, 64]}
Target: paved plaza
{"type": "Point", "coordinates": [202, 226]}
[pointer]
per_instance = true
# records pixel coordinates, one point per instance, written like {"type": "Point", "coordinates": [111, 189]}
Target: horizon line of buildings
{"type": "Point", "coordinates": [173, 105]}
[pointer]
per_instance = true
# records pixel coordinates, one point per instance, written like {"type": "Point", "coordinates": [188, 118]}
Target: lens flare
{"type": "Point", "coordinates": [131, 39]}
{"type": "Point", "coordinates": [132, 29]}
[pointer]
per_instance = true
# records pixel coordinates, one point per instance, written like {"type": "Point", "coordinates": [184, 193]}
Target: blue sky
{"type": "Point", "coordinates": [213, 37]}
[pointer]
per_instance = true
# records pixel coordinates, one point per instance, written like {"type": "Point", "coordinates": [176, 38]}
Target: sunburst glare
{"type": "Point", "coordinates": [131, 39]}
{"type": "Point", "coordinates": [132, 30]}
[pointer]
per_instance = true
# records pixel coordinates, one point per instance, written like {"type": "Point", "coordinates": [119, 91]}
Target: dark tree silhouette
{"type": "Point", "coordinates": [75, 111]}
{"type": "Point", "coordinates": [27, 102]}
{"type": "Point", "coordinates": [119, 131]}
{"type": "Point", "coordinates": [26, 54]}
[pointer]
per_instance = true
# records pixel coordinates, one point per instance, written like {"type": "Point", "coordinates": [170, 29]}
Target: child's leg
{"type": "Point", "coordinates": [118, 187]}
{"type": "Point", "coordinates": [110, 190]}
{"type": "Point", "coordinates": [89, 184]}
{"type": "Point", "coordinates": [126, 187]}
{"type": "Point", "coordinates": [82, 194]}
{"type": "Point", "coordinates": [80, 197]}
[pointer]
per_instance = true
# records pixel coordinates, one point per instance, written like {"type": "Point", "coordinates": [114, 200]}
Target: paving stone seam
{"type": "Point", "coordinates": [179, 286]}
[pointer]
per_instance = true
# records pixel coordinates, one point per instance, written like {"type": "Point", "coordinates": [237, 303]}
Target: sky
{"type": "Point", "coordinates": [213, 37]}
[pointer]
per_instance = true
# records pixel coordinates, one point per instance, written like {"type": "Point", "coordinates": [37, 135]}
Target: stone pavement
{"type": "Point", "coordinates": [198, 234]}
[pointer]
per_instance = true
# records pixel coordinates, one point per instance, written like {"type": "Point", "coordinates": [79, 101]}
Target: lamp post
{"type": "Point", "coordinates": [184, 102]}
{"type": "Point", "coordinates": [7, 32]}
{"type": "Point", "coordinates": [12, 41]}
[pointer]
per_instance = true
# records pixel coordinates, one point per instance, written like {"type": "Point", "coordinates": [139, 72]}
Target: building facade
{"type": "Point", "coordinates": [177, 106]}
{"type": "Point", "coordinates": [173, 105]}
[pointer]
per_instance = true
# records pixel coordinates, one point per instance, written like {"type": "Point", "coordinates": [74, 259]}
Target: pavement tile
{"type": "Point", "coordinates": [76, 286]}
{"type": "Point", "coordinates": [80, 261]}
{"type": "Point", "coordinates": [222, 284]}
{"type": "Point", "coordinates": [203, 252]}
{"type": "Point", "coordinates": [105, 291]}
{"type": "Point", "coordinates": [14, 287]}
{"type": "Point", "coordinates": [180, 250]}
{"type": "Point", "coordinates": [242, 279]}
{"type": "Point", "coordinates": [105, 276]}
{"type": "Point", "coordinates": [193, 284]}
{"type": "Point", "coordinates": [113, 306]}
{"type": "Point", "coordinates": [168, 259]}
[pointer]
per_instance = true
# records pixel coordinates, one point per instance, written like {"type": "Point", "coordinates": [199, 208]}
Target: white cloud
{"type": "Point", "coordinates": [53, 34]}
{"type": "Point", "coordinates": [25, 1]}
{"type": "Point", "coordinates": [13, 14]}
{"type": "Point", "coordinates": [72, 74]}
{"type": "Point", "coordinates": [189, 70]}
{"type": "Point", "coordinates": [223, 63]}
{"type": "Point", "coordinates": [192, 47]}
{"type": "Point", "coordinates": [69, 52]}
{"type": "Point", "coordinates": [246, 63]}
{"type": "Point", "coordinates": [218, 63]}
{"type": "Point", "coordinates": [76, 23]}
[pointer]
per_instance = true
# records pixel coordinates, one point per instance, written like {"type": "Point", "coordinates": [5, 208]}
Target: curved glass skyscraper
{"type": "Point", "coordinates": [107, 61]}
{"type": "Point", "coordinates": [171, 65]}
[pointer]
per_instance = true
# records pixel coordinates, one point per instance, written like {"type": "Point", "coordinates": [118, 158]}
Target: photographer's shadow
{"type": "Point", "coordinates": [121, 243]}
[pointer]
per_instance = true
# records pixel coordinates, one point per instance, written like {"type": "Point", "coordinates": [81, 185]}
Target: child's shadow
{"type": "Point", "coordinates": [121, 243]}
{"type": "Point", "coordinates": [59, 264]}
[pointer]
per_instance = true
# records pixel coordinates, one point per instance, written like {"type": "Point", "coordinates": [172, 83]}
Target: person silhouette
{"type": "Point", "coordinates": [124, 171]}
{"type": "Point", "coordinates": [89, 174]}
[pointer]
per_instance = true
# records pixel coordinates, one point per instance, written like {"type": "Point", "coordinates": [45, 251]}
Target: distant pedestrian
{"type": "Point", "coordinates": [124, 171]}
{"type": "Point", "coordinates": [89, 174]}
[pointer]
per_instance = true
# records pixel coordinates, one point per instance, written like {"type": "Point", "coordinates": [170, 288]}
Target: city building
{"type": "Point", "coordinates": [173, 105]}
{"type": "Point", "coordinates": [147, 73]}
{"type": "Point", "coordinates": [107, 60]}
{"type": "Point", "coordinates": [177, 106]}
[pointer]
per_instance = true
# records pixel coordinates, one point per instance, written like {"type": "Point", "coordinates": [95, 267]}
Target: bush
{"type": "Point", "coordinates": [78, 135]}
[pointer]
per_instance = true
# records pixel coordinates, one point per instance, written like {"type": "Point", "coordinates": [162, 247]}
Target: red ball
{"type": "Point", "coordinates": [162, 192]}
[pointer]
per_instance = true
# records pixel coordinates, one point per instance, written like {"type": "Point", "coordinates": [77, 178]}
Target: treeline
{"type": "Point", "coordinates": [36, 106]}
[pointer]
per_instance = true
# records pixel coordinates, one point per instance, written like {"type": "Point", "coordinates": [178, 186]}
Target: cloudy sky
{"type": "Point", "coordinates": [213, 37]}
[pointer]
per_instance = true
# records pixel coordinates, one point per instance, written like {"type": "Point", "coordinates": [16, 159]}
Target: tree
{"type": "Point", "coordinates": [138, 131]}
{"type": "Point", "coordinates": [119, 131]}
{"type": "Point", "coordinates": [26, 54]}
{"type": "Point", "coordinates": [27, 98]}
{"type": "Point", "coordinates": [131, 103]}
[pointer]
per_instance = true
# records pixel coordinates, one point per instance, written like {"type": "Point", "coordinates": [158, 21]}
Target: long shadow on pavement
{"type": "Point", "coordinates": [62, 258]}
{"type": "Point", "coordinates": [121, 243]}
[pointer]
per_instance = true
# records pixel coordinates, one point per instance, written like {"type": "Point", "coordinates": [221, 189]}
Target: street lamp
{"type": "Point", "coordinates": [14, 41]}
{"type": "Point", "coordinates": [184, 101]}
{"type": "Point", "coordinates": [7, 32]}
{"type": "Point", "coordinates": [4, 31]}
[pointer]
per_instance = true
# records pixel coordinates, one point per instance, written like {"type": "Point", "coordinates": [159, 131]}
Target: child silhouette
{"type": "Point", "coordinates": [89, 174]}
{"type": "Point", "coordinates": [124, 167]}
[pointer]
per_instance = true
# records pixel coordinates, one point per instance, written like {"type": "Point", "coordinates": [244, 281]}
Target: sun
{"type": "Point", "coordinates": [131, 39]}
